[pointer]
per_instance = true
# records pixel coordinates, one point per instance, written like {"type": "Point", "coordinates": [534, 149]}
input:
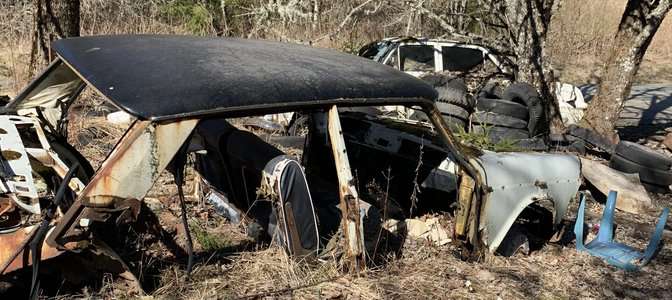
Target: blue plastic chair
{"type": "Point", "coordinates": [616, 254]}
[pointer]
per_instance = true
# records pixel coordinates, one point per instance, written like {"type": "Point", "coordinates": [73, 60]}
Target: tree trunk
{"type": "Point", "coordinates": [528, 23]}
{"type": "Point", "coordinates": [54, 19]}
{"type": "Point", "coordinates": [639, 24]}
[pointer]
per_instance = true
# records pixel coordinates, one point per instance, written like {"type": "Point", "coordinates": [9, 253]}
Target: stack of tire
{"type": "Point", "coordinates": [654, 169]}
{"type": "Point", "coordinates": [513, 114]}
{"type": "Point", "coordinates": [455, 104]}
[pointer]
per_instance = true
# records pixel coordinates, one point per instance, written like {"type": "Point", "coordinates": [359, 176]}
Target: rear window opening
{"type": "Point", "coordinates": [461, 59]}
{"type": "Point", "coordinates": [417, 58]}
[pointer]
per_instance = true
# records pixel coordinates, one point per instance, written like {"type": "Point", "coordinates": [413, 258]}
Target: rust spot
{"type": "Point", "coordinates": [10, 155]}
{"type": "Point", "coordinates": [541, 184]}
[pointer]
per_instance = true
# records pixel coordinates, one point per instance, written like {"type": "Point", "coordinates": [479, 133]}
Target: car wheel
{"type": "Point", "coordinates": [503, 107]}
{"type": "Point", "coordinates": [489, 118]}
{"type": "Point", "coordinates": [526, 94]}
{"type": "Point", "coordinates": [497, 134]}
{"type": "Point", "coordinates": [646, 174]}
{"type": "Point", "coordinates": [643, 155]}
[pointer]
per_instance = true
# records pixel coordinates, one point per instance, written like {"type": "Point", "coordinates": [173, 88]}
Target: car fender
{"type": "Point", "coordinates": [516, 180]}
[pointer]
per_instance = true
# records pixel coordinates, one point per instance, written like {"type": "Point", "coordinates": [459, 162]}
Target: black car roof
{"type": "Point", "coordinates": [164, 77]}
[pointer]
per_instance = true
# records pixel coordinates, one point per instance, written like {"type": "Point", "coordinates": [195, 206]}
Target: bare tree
{"type": "Point", "coordinates": [638, 25]}
{"type": "Point", "coordinates": [54, 19]}
{"type": "Point", "coordinates": [527, 23]}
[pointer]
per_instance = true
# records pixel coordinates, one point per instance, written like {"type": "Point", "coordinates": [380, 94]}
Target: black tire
{"type": "Point", "coordinates": [455, 92]}
{"type": "Point", "coordinates": [491, 90]}
{"type": "Point", "coordinates": [591, 137]}
{"type": "Point", "coordinates": [452, 110]}
{"type": "Point", "coordinates": [532, 144]}
{"type": "Point", "coordinates": [489, 118]}
{"type": "Point", "coordinates": [497, 134]}
{"type": "Point", "coordinates": [503, 107]}
{"type": "Point", "coordinates": [524, 93]}
{"type": "Point", "coordinates": [658, 189]}
{"type": "Point", "coordinates": [455, 122]}
{"type": "Point", "coordinates": [648, 175]}
{"type": "Point", "coordinates": [644, 156]}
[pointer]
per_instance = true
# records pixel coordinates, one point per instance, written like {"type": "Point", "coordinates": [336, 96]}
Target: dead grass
{"type": "Point", "coordinates": [582, 31]}
{"type": "Point", "coordinates": [425, 271]}
{"type": "Point", "coordinates": [227, 268]}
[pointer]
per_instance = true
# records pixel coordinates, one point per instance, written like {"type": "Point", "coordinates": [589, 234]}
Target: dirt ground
{"type": "Point", "coordinates": [229, 265]}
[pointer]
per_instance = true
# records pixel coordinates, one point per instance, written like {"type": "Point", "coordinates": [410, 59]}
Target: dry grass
{"type": "Point", "coordinates": [228, 268]}
{"type": "Point", "coordinates": [582, 31]}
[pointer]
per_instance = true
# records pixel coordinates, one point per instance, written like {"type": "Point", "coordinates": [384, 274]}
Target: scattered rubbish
{"type": "Point", "coordinates": [263, 123]}
{"type": "Point", "coordinates": [571, 102]}
{"type": "Point", "coordinates": [223, 207]}
{"type": "Point", "coordinates": [429, 229]}
{"type": "Point", "coordinates": [634, 198]}
{"type": "Point", "coordinates": [616, 254]}
{"type": "Point", "coordinates": [119, 118]}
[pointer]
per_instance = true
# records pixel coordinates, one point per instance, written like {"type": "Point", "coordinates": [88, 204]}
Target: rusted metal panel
{"type": "Point", "coordinates": [137, 161]}
{"type": "Point", "coordinates": [520, 179]}
{"type": "Point", "coordinates": [11, 249]}
{"type": "Point", "coordinates": [349, 199]}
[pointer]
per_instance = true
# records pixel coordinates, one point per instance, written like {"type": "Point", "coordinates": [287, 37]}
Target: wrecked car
{"type": "Point", "coordinates": [184, 92]}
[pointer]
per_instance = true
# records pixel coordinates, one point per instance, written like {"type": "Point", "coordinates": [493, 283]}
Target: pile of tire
{"type": "Point", "coordinates": [654, 169]}
{"type": "Point", "coordinates": [515, 113]}
{"type": "Point", "coordinates": [455, 104]}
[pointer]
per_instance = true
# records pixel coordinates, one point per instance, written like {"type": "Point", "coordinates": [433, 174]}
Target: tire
{"type": "Point", "coordinates": [524, 93]}
{"type": "Point", "coordinates": [591, 137]}
{"type": "Point", "coordinates": [658, 189]}
{"type": "Point", "coordinates": [455, 122]}
{"type": "Point", "coordinates": [491, 90]}
{"type": "Point", "coordinates": [648, 175]}
{"type": "Point", "coordinates": [497, 134]}
{"type": "Point", "coordinates": [503, 107]}
{"type": "Point", "coordinates": [455, 92]}
{"type": "Point", "coordinates": [644, 156]}
{"type": "Point", "coordinates": [452, 110]}
{"type": "Point", "coordinates": [495, 119]}
{"type": "Point", "coordinates": [532, 144]}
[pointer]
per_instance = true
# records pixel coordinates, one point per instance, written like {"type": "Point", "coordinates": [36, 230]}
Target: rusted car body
{"type": "Point", "coordinates": [182, 91]}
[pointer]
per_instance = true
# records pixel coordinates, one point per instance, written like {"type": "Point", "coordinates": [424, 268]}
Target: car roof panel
{"type": "Point", "coordinates": [158, 77]}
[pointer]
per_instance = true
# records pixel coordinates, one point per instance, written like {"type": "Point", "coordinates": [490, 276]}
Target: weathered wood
{"type": "Point", "coordinates": [349, 199]}
{"type": "Point", "coordinates": [632, 196]}
{"type": "Point", "coordinates": [638, 25]}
